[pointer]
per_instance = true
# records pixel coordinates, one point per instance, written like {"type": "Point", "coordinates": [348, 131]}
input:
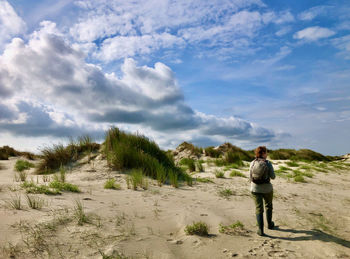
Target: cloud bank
{"type": "Point", "coordinates": [48, 89]}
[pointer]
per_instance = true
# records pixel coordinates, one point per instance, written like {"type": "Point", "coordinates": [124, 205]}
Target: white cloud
{"type": "Point", "coordinates": [120, 47]}
{"type": "Point", "coordinates": [123, 29]}
{"type": "Point", "coordinates": [312, 13]}
{"type": "Point", "coordinates": [343, 44]}
{"type": "Point", "coordinates": [313, 33]}
{"type": "Point", "coordinates": [10, 23]}
{"type": "Point", "coordinates": [55, 92]}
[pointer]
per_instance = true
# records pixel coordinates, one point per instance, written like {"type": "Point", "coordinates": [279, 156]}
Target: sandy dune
{"type": "Point", "coordinates": [313, 218]}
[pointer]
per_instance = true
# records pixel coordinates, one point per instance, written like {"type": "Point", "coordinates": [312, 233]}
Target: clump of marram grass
{"type": "Point", "coordinates": [137, 179]}
{"type": "Point", "coordinates": [31, 187]}
{"type": "Point", "coordinates": [35, 202]}
{"type": "Point", "coordinates": [237, 228]}
{"type": "Point", "coordinates": [219, 174]}
{"type": "Point", "coordinates": [79, 213]}
{"type": "Point", "coordinates": [292, 164]}
{"type": "Point", "coordinates": [236, 173]}
{"type": "Point", "coordinates": [200, 166]}
{"type": "Point", "coordinates": [22, 165]}
{"type": "Point", "coordinates": [212, 152]}
{"type": "Point", "coordinates": [111, 184]}
{"type": "Point", "coordinates": [59, 155]}
{"type": "Point", "coordinates": [189, 163]}
{"type": "Point", "coordinates": [21, 176]}
{"type": "Point", "coordinates": [126, 151]}
{"type": "Point", "coordinates": [15, 202]}
{"type": "Point", "coordinates": [204, 180]}
{"type": "Point", "coordinates": [225, 193]}
{"type": "Point", "coordinates": [197, 228]}
{"type": "Point", "coordinates": [60, 186]}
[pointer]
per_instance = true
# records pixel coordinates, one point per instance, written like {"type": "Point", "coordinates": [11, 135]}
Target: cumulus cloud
{"type": "Point", "coordinates": [10, 23]}
{"type": "Point", "coordinates": [313, 33]}
{"type": "Point", "coordinates": [53, 91]}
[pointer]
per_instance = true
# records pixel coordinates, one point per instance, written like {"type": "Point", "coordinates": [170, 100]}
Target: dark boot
{"type": "Point", "coordinates": [260, 221]}
{"type": "Point", "coordinates": [270, 223]}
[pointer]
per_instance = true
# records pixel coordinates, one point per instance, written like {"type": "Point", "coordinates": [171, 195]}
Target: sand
{"type": "Point", "coordinates": [313, 218]}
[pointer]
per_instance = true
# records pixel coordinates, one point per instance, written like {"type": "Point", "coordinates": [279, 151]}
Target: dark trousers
{"type": "Point", "coordinates": [259, 204]}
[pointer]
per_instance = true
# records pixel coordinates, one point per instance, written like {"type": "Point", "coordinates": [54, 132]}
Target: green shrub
{"type": "Point", "coordinates": [235, 173]}
{"type": "Point", "coordinates": [22, 165]}
{"type": "Point", "coordinates": [31, 187]}
{"type": "Point", "coordinates": [64, 186]}
{"type": "Point", "coordinates": [219, 174]}
{"type": "Point", "coordinates": [305, 155]}
{"type": "Point", "coordinates": [111, 184]}
{"type": "Point", "coordinates": [199, 228]}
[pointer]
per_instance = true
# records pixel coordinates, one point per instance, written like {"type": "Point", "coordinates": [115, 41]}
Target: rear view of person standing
{"type": "Point", "coordinates": [261, 171]}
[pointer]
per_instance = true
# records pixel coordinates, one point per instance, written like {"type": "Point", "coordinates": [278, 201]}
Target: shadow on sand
{"type": "Point", "coordinates": [313, 234]}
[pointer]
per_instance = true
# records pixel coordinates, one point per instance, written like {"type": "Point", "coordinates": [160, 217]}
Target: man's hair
{"type": "Point", "coordinates": [259, 151]}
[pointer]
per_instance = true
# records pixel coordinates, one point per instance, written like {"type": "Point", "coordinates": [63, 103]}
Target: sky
{"type": "Point", "coordinates": [249, 72]}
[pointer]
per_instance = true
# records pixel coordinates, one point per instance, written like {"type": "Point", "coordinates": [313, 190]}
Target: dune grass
{"type": "Point", "coordinates": [59, 155]}
{"type": "Point", "coordinates": [33, 188]}
{"type": "Point", "coordinates": [189, 163]}
{"type": "Point", "coordinates": [111, 184]}
{"type": "Point", "coordinates": [197, 228]}
{"type": "Point", "coordinates": [6, 152]}
{"type": "Point", "coordinates": [15, 202]}
{"type": "Point", "coordinates": [35, 203]}
{"type": "Point", "coordinates": [292, 164]}
{"type": "Point", "coordinates": [22, 165]}
{"type": "Point", "coordinates": [137, 179]}
{"type": "Point", "coordinates": [79, 213]}
{"type": "Point", "coordinates": [60, 186]}
{"type": "Point", "coordinates": [225, 193]}
{"type": "Point", "coordinates": [126, 151]}
{"type": "Point", "coordinates": [236, 173]}
{"type": "Point", "coordinates": [204, 180]}
{"type": "Point", "coordinates": [219, 174]}
{"type": "Point", "coordinates": [212, 152]}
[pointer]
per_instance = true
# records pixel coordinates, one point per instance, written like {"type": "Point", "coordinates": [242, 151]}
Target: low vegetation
{"type": "Point", "coordinates": [197, 228]}
{"type": "Point", "coordinates": [59, 155]}
{"type": "Point", "coordinates": [111, 184]}
{"type": "Point", "coordinates": [126, 151]}
{"type": "Point", "coordinates": [35, 202]}
{"type": "Point", "coordinates": [225, 193]}
{"type": "Point", "coordinates": [33, 188]}
{"type": "Point", "coordinates": [204, 180]}
{"type": "Point", "coordinates": [137, 179]}
{"type": "Point", "coordinates": [189, 163]}
{"type": "Point", "coordinates": [79, 213]}
{"type": "Point", "coordinates": [237, 228]}
{"type": "Point", "coordinates": [219, 174]}
{"type": "Point", "coordinates": [22, 165]}
{"type": "Point", "coordinates": [63, 186]}
{"type": "Point", "coordinates": [305, 155]}
{"type": "Point", "coordinates": [236, 173]}
{"type": "Point", "coordinates": [15, 202]}
{"type": "Point", "coordinates": [6, 152]}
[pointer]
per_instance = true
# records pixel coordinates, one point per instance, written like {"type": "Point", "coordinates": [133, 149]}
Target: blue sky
{"type": "Point", "coordinates": [249, 72]}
